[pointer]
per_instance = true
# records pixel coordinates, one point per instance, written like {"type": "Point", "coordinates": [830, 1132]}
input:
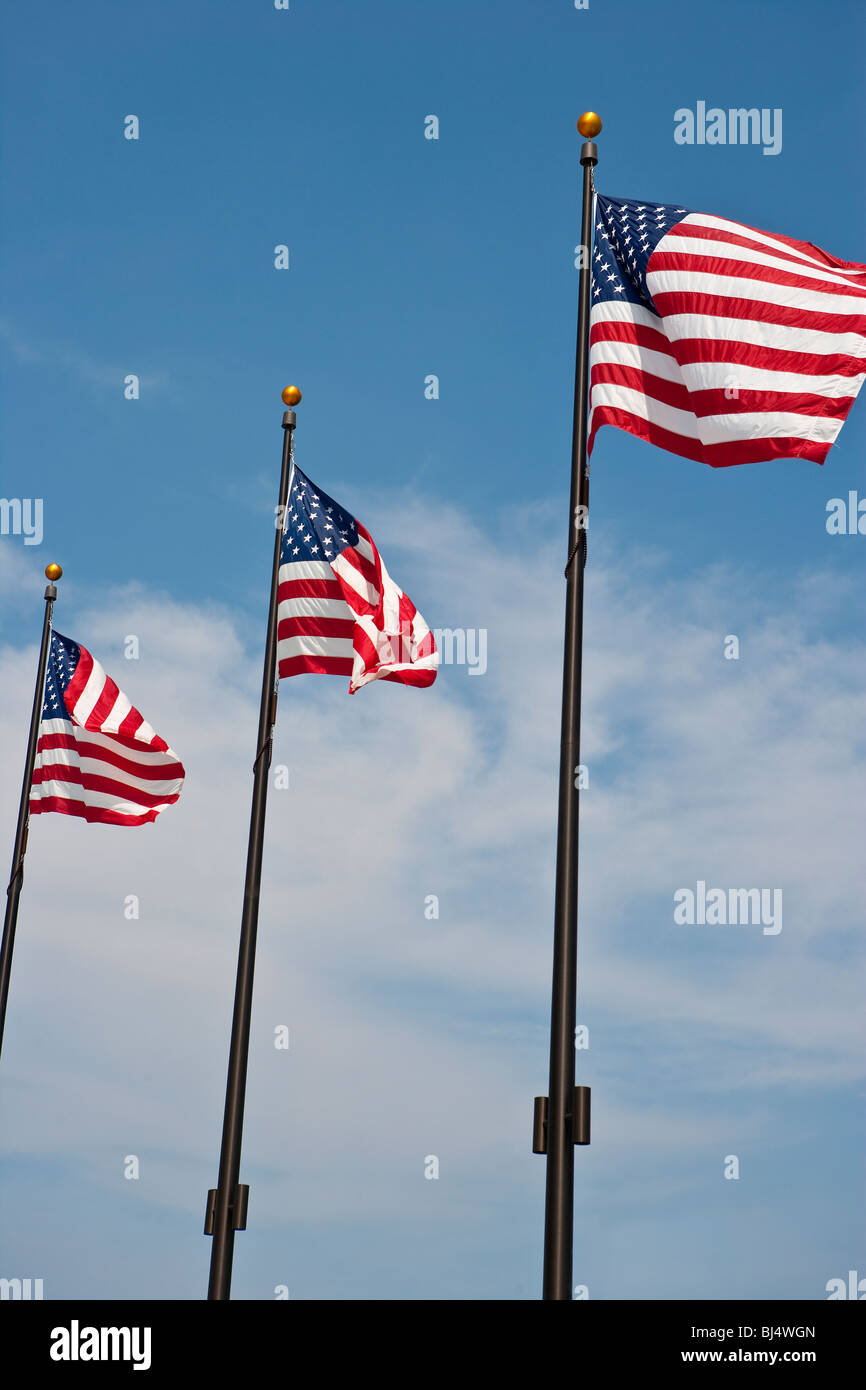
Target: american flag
{"type": "Point", "coordinates": [96, 757]}
{"type": "Point", "coordinates": [719, 342]}
{"type": "Point", "coordinates": [340, 613]}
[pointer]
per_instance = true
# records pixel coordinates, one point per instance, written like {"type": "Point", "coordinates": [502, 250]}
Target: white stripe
{"type": "Point", "coordinates": [420, 629]}
{"type": "Point", "coordinates": [724, 251]}
{"type": "Point", "coordinates": [308, 645]}
{"type": "Point", "coordinates": [96, 767]}
{"type": "Point", "coordinates": [73, 791]}
{"type": "Point", "coordinates": [118, 712]}
{"type": "Point", "coordinates": [770, 424]}
{"type": "Point", "coordinates": [391, 596]}
{"type": "Point", "coordinates": [365, 549]}
{"type": "Point", "coordinates": [765, 335]}
{"type": "Point", "coordinates": [716, 429]}
{"type": "Point", "coordinates": [356, 581]}
{"type": "Point", "coordinates": [153, 757]}
{"type": "Point", "coordinates": [703, 376]}
{"type": "Point", "coordinates": [87, 700]}
{"type": "Point", "coordinates": [362, 676]}
{"type": "Point", "coordinates": [633, 355]}
{"type": "Point", "coordinates": [620, 311]}
{"type": "Point", "coordinates": [756, 291]}
{"type": "Point", "coordinates": [314, 608]}
{"type": "Point", "coordinates": [645, 407]}
{"type": "Point", "coordinates": [701, 219]}
{"type": "Point", "coordinates": [145, 733]}
{"type": "Point", "coordinates": [305, 569]}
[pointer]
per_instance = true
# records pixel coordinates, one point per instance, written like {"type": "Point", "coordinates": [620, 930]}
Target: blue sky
{"type": "Point", "coordinates": [409, 257]}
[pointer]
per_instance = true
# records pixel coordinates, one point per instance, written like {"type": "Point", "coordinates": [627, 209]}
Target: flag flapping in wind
{"type": "Point", "coordinates": [718, 342]}
{"type": "Point", "coordinates": [96, 756]}
{"type": "Point", "coordinates": [340, 613]}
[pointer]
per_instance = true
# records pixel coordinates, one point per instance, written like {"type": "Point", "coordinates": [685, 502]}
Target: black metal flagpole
{"type": "Point", "coordinates": [16, 879]}
{"type": "Point", "coordinates": [562, 1118]}
{"type": "Point", "coordinates": [227, 1202]}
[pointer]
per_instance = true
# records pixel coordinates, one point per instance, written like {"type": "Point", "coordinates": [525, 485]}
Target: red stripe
{"type": "Point", "coordinates": [671, 392]}
{"type": "Point", "coordinates": [309, 626]}
{"type": "Point", "coordinates": [363, 567]}
{"type": "Point", "coordinates": [713, 401]}
{"type": "Point", "coordinates": [724, 350]}
{"type": "Point", "coordinates": [713, 306]}
{"type": "Point", "coordinates": [366, 568]}
{"type": "Point", "coordinates": [414, 676]}
{"type": "Point", "coordinates": [94, 814]}
{"type": "Point", "coordinates": [366, 650]}
{"type": "Point", "coordinates": [157, 745]}
{"type": "Point", "coordinates": [808, 248]}
{"type": "Point", "coordinates": [690, 263]}
{"type": "Point", "coordinates": [654, 434]}
{"type": "Point", "coordinates": [751, 355]}
{"type": "Point", "coordinates": [94, 782]}
{"type": "Point", "coordinates": [748, 242]}
{"type": "Point", "coordinates": [316, 665]}
{"type": "Point", "coordinates": [103, 707]}
{"type": "Point", "coordinates": [716, 455]}
{"type": "Point", "coordinates": [79, 679]}
{"type": "Point", "coordinates": [154, 772]}
{"type": "Point", "coordinates": [408, 612]}
{"type": "Point", "coordinates": [309, 588]}
{"type": "Point", "coordinates": [627, 331]}
{"type": "Point", "coordinates": [132, 721]}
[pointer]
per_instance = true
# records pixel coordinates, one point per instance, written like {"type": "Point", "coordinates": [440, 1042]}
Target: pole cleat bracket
{"type": "Point", "coordinates": [539, 1126]}
{"type": "Point", "coordinates": [580, 1109]}
{"type": "Point", "coordinates": [237, 1209]}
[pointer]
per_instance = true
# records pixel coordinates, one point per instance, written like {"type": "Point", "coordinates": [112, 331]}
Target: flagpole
{"type": "Point", "coordinates": [227, 1202]}
{"type": "Point", "coordinates": [16, 879]}
{"type": "Point", "coordinates": [562, 1118]}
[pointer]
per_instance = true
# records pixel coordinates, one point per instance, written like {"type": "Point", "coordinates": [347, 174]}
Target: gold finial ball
{"type": "Point", "coordinates": [53, 572]}
{"type": "Point", "coordinates": [589, 125]}
{"type": "Point", "coordinates": [291, 396]}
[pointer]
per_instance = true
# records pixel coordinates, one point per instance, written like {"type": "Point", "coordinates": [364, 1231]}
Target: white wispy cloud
{"type": "Point", "coordinates": [415, 1036]}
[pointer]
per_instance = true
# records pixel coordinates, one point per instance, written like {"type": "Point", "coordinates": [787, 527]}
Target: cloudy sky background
{"type": "Point", "coordinates": [412, 1037]}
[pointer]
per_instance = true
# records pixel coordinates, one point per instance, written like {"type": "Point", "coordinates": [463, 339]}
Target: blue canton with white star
{"type": "Point", "coordinates": [63, 656]}
{"type": "Point", "coordinates": [626, 234]}
{"type": "Point", "coordinates": [317, 528]}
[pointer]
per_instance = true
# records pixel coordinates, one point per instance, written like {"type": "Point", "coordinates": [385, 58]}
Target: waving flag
{"type": "Point", "coordinates": [719, 342]}
{"type": "Point", "coordinates": [96, 756]}
{"type": "Point", "coordinates": [340, 613]}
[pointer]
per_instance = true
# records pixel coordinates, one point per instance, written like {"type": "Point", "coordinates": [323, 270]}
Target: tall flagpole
{"type": "Point", "coordinates": [227, 1202]}
{"type": "Point", "coordinates": [562, 1118]}
{"type": "Point", "coordinates": [16, 878]}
